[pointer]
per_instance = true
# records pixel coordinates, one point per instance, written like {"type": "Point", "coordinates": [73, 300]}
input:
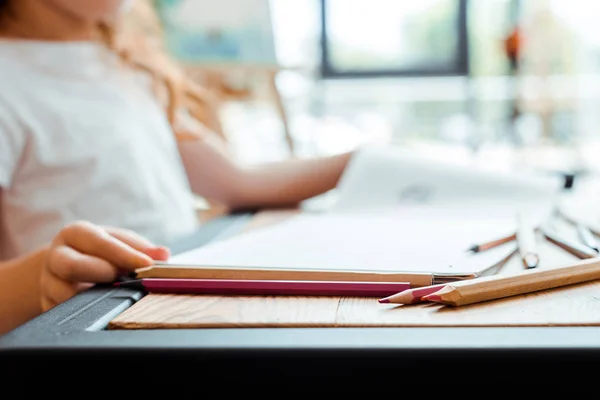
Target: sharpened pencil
{"type": "Point", "coordinates": [411, 296]}
{"type": "Point", "coordinates": [527, 281]}
{"type": "Point", "coordinates": [478, 248]}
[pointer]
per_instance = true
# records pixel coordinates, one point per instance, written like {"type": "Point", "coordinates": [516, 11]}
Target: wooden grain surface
{"type": "Point", "coordinates": [578, 305]}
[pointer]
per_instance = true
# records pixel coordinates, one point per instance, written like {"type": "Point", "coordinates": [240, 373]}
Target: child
{"type": "Point", "coordinates": [100, 155]}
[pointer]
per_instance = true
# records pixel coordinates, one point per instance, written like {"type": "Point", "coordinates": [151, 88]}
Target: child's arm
{"type": "Point", "coordinates": [20, 289]}
{"type": "Point", "coordinates": [79, 256]}
{"type": "Point", "coordinates": [214, 175]}
{"type": "Point", "coordinates": [286, 183]}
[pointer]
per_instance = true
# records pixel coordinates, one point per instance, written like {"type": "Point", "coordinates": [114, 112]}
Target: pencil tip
{"type": "Point", "coordinates": [473, 249]}
{"type": "Point", "coordinates": [384, 301]}
{"type": "Point", "coordinates": [432, 297]}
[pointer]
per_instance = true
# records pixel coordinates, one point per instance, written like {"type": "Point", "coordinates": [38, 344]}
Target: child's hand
{"type": "Point", "coordinates": [83, 254]}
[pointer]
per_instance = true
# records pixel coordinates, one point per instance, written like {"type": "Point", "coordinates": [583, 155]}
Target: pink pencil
{"type": "Point", "coordinates": [411, 296]}
{"type": "Point", "coordinates": [266, 287]}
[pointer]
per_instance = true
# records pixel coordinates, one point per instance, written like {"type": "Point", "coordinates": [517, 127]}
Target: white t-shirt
{"type": "Point", "coordinates": [82, 138]}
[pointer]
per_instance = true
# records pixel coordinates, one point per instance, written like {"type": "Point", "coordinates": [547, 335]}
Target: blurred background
{"type": "Point", "coordinates": [505, 80]}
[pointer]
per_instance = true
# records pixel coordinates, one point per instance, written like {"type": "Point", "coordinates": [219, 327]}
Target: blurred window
{"type": "Point", "coordinates": [396, 38]}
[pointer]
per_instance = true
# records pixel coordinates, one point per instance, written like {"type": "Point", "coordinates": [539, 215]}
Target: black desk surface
{"type": "Point", "coordinates": [75, 332]}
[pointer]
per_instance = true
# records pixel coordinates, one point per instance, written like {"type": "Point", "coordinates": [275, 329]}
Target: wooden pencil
{"type": "Point", "coordinates": [416, 279]}
{"type": "Point", "coordinates": [478, 248]}
{"type": "Point", "coordinates": [577, 249]}
{"type": "Point", "coordinates": [415, 295]}
{"type": "Point", "coordinates": [500, 286]}
{"type": "Point", "coordinates": [587, 237]}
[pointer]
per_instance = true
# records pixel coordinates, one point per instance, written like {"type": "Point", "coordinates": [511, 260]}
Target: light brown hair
{"type": "Point", "coordinates": [139, 41]}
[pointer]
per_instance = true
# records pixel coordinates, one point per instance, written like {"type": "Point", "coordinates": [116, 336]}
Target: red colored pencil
{"type": "Point", "coordinates": [411, 296]}
{"type": "Point", "coordinates": [266, 287]}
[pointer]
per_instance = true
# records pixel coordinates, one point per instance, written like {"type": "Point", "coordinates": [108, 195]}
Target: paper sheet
{"type": "Point", "coordinates": [396, 212]}
{"type": "Point", "coordinates": [420, 239]}
{"type": "Point", "coordinates": [388, 178]}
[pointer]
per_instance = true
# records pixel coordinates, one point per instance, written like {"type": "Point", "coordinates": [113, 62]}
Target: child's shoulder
{"type": "Point", "coordinates": [61, 60]}
{"type": "Point", "coordinates": [16, 69]}
{"type": "Point", "coordinates": [11, 62]}
{"type": "Point", "coordinates": [38, 73]}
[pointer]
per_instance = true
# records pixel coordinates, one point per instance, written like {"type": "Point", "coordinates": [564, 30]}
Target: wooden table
{"type": "Point", "coordinates": [578, 305]}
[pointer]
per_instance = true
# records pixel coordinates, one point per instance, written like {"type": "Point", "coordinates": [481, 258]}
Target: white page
{"type": "Point", "coordinates": [389, 177]}
{"type": "Point", "coordinates": [420, 239]}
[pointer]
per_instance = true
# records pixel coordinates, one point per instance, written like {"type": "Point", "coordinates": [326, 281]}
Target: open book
{"type": "Point", "coordinates": [420, 242]}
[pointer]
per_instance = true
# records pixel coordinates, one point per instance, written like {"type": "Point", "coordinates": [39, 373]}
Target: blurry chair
{"type": "Point", "coordinates": [226, 47]}
{"type": "Point", "coordinates": [216, 80]}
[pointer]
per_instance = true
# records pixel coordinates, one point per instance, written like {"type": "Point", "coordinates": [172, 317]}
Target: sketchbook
{"type": "Point", "coordinates": [420, 246]}
{"type": "Point", "coordinates": [398, 217]}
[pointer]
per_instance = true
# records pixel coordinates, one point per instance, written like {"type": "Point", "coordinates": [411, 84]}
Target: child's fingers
{"type": "Point", "coordinates": [95, 241]}
{"type": "Point", "coordinates": [130, 237]}
{"type": "Point", "coordinates": [140, 243]}
{"type": "Point", "coordinates": [69, 264]}
{"type": "Point", "coordinates": [158, 253]}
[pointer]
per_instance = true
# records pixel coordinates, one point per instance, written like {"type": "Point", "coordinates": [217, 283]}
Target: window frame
{"type": "Point", "coordinates": [460, 66]}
